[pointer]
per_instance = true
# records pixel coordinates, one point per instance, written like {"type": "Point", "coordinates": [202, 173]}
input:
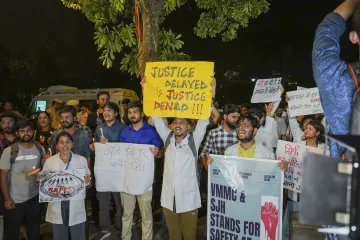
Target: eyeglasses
{"type": "Point", "coordinates": [244, 125]}
{"type": "Point", "coordinates": [7, 123]}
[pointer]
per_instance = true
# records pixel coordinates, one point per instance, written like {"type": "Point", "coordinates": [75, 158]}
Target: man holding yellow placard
{"type": "Point", "coordinates": [180, 197]}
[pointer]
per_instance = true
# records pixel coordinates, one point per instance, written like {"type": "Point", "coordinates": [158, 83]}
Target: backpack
{"type": "Point", "coordinates": [15, 151]}
{"type": "Point", "coordinates": [193, 150]}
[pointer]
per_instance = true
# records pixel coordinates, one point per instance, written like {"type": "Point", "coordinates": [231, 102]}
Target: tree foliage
{"type": "Point", "coordinates": [117, 27]}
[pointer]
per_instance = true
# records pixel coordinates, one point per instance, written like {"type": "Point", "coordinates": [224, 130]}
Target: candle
{"type": "Point", "coordinates": [50, 153]}
{"type": "Point", "coordinates": [102, 133]}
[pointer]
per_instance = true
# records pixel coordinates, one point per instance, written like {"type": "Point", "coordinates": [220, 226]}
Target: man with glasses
{"type": "Point", "coordinates": [96, 118]}
{"type": "Point", "coordinates": [20, 190]}
{"type": "Point", "coordinates": [81, 135]}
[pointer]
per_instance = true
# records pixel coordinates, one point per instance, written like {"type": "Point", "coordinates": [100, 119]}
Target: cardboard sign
{"type": "Point", "coordinates": [178, 89]}
{"type": "Point", "coordinates": [244, 199]}
{"type": "Point", "coordinates": [304, 102]}
{"type": "Point", "coordinates": [267, 90]}
{"type": "Point", "coordinates": [62, 185]}
{"type": "Point", "coordinates": [124, 167]}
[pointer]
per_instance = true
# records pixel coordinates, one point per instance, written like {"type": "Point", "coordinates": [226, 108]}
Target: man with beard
{"type": "Point", "coordinates": [96, 117]}
{"type": "Point", "coordinates": [81, 135]}
{"type": "Point", "coordinates": [139, 132]}
{"type": "Point", "coordinates": [221, 138]}
{"type": "Point", "coordinates": [224, 136]}
{"type": "Point", "coordinates": [20, 189]}
{"type": "Point", "coordinates": [247, 147]}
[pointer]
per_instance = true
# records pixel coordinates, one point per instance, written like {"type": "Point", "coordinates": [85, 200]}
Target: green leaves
{"type": "Point", "coordinates": [115, 36]}
{"type": "Point", "coordinates": [225, 17]}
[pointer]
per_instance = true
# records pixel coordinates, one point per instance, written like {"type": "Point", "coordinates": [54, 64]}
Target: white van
{"type": "Point", "coordinates": [44, 100]}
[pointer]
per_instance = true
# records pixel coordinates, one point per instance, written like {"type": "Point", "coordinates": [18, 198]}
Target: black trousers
{"type": "Point", "coordinates": [30, 211]}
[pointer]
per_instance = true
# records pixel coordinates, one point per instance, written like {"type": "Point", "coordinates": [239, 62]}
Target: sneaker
{"type": "Point", "coordinates": [102, 235]}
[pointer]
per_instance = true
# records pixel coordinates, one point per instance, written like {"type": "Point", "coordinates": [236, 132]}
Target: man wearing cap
{"type": "Point", "coordinates": [54, 112]}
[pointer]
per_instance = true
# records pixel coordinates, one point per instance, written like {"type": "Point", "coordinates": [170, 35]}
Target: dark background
{"type": "Point", "coordinates": [277, 43]}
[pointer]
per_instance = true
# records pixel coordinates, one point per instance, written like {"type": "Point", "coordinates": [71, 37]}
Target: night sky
{"type": "Point", "coordinates": [280, 40]}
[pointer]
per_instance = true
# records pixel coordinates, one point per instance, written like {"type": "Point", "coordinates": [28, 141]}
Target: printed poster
{"type": "Point", "coordinates": [124, 167]}
{"type": "Point", "coordinates": [304, 102]}
{"type": "Point", "coordinates": [267, 90]}
{"type": "Point", "coordinates": [293, 153]}
{"type": "Point", "coordinates": [178, 89]}
{"type": "Point", "coordinates": [62, 185]}
{"type": "Point", "coordinates": [244, 199]}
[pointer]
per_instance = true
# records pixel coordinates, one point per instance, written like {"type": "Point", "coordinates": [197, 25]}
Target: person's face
{"type": "Point", "coordinates": [299, 118]}
{"type": "Point", "coordinates": [181, 127]}
{"type": "Point", "coordinates": [279, 112]}
{"type": "Point", "coordinates": [310, 132]}
{"type": "Point", "coordinates": [245, 131]}
{"type": "Point", "coordinates": [134, 115]}
{"type": "Point", "coordinates": [124, 106]}
{"type": "Point", "coordinates": [64, 145]}
{"type": "Point", "coordinates": [7, 125]}
{"type": "Point", "coordinates": [25, 134]}
{"type": "Point", "coordinates": [43, 120]}
{"type": "Point", "coordinates": [8, 106]}
{"type": "Point", "coordinates": [83, 109]}
{"type": "Point", "coordinates": [103, 100]}
{"type": "Point", "coordinates": [232, 119]}
{"type": "Point", "coordinates": [67, 120]}
{"type": "Point", "coordinates": [109, 114]}
{"type": "Point", "coordinates": [243, 111]}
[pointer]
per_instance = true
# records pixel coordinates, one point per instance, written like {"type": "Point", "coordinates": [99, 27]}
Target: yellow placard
{"type": "Point", "coordinates": [178, 89]}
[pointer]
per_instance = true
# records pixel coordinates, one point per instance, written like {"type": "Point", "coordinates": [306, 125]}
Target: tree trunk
{"type": "Point", "coordinates": [148, 46]}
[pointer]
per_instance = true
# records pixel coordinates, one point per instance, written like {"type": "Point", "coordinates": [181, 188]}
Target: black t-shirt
{"type": "Point", "coordinates": [95, 119]}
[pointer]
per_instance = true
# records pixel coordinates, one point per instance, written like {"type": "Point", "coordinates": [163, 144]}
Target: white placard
{"type": "Point", "coordinates": [304, 102]}
{"type": "Point", "coordinates": [267, 90]}
{"type": "Point", "coordinates": [62, 185]}
{"type": "Point", "coordinates": [124, 167]}
{"type": "Point", "coordinates": [293, 153]}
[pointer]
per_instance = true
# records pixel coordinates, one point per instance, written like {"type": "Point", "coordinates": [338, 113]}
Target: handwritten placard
{"type": "Point", "coordinates": [124, 167]}
{"type": "Point", "coordinates": [293, 153]}
{"type": "Point", "coordinates": [267, 90]}
{"type": "Point", "coordinates": [61, 186]}
{"type": "Point", "coordinates": [304, 102]}
{"type": "Point", "coordinates": [178, 89]}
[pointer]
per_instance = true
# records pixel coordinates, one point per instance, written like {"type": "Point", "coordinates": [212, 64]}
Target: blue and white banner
{"type": "Point", "coordinates": [244, 199]}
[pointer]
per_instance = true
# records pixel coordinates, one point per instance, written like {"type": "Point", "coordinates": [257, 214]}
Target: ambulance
{"type": "Point", "coordinates": [44, 100]}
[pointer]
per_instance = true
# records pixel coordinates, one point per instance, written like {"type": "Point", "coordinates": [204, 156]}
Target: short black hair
{"type": "Point", "coordinates": [45, 112]}
{"type": "Point", "coordinates": [7, 101]}
{"type": "Point", "coordinates": [63, 134]}
{"type": "Point", "coordinates": [135, 104]}
{"type": "Point", "coordinates": [231, 108]}
{"type": "Point", "coordinates": [356, 19]}
{"type": "Point", "coordinates": [102, 93]}
{"type": "Point", "coordinates": [22, 124]}
{"type": "Point", "coordinates": [125, 101]}
{"type": "Point", "coordinates": [68, 108]}
{"type": "Point", "coordinates": [253, 121]}
{"type": "Point", "coordinates": [113, 106]}
{"type": "Point", "coordinates": [8, 114]}
{"type": "Point", "coordinates": [256, 112]}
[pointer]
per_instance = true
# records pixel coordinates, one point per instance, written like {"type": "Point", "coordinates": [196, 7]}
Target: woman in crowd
{"type": "Point", "coordinates": [67, 216]}
{"type": "Point", "coordinates": [44, 130]}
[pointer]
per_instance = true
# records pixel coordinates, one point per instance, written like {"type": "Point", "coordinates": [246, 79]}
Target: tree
{"type": "Point", "coordinates": [133, 27]}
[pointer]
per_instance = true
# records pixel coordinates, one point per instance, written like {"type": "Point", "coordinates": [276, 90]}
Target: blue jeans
{"type": "Point", "coordinates": [290, 207]}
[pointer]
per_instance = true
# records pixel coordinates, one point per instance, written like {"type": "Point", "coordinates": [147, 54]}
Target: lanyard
{"type": "Point", "coordinates": [67, 165]}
